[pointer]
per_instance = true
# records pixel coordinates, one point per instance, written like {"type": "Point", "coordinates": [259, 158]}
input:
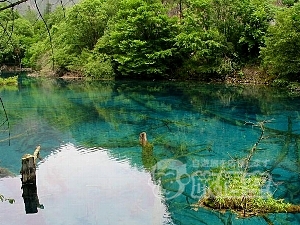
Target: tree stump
{"type": "Point", "coordinates": [28, 169]}
{"type": "Point", "coordinates": [28, 172]}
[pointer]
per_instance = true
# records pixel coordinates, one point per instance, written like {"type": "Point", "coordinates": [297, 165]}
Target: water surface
{"type": "Point", "coordinates": [94, 172]}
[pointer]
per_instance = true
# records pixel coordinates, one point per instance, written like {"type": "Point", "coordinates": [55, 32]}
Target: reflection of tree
{"type": "Point", "coordinates": [283, 156]}
{"type": "Point", "coordinates": [111, 115]}
{"type": "Point", "coordinates": [205, 104]}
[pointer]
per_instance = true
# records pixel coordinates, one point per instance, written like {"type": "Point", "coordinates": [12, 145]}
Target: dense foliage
{"type": "Point", "coordinates": [220, 35]}
{"type": "Point", "coordinates": [185, 39]}
{"type": "Point", "coordinates": [281, 56]}
{"type": "Point", "coordinates": [141, 40]}
{"type": "Point", "coordinates": [15, 37]}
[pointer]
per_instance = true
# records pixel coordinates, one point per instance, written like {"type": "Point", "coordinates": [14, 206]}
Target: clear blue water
{"type": "Point", "coordinates": [93, 170]}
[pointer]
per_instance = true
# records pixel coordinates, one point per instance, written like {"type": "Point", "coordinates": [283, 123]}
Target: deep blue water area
{"type": "Point", "coordinates": [94, 170]}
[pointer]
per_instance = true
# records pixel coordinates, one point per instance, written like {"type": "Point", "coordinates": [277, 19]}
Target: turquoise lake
{"type": "Point", "coordinates": [93, 169]}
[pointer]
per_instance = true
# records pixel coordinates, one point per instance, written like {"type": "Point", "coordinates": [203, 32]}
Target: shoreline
{"type": "Point", "coordinates": [248, 75]}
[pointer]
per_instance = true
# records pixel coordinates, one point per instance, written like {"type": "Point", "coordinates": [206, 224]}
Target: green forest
{"type": "Point", "coordinates": [151, 39]}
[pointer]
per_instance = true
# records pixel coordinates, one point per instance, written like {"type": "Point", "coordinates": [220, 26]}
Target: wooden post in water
{"type": "Point", "coordinates": [143, 139]}
{"type": "Point", "coordinates": [28, 171]}
{"type": "Point", "coordinates": [28, 168]}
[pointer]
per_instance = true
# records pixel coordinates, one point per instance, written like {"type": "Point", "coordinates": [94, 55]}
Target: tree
{"type": "Point", "coordinates": [218, 35]}
{"type": "Point", "coordinates": [141, 40]}
{"type": "Point", "coordinates": [256, 17]}
{"type": "Point", "coordinates": [86, 22]}
{"type": "Point", "coordinates": [74, 33]}
{"type": "Point", "coordinates": [15, 37]}
{"type": "Point", "coordinates": [281, 55]}
{"type": "Point", "coordinates": [207, 37]}
{"type": "Point", "coordinates": [289, 2]}
{"type": "Point", "coordinates": [30, 15]}
{"type": "Point", "coordinates": [47, 9]}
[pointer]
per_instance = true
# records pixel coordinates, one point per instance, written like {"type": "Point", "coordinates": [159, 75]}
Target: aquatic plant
{"type": "Point", "coordinates": [9, 81]}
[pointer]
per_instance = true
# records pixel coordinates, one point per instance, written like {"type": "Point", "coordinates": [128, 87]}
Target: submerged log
{"type": "Point", "coordinates": [244, 207]}
{"type": "Point", "coordinates": [293, 209]}
{"type": "Point", "coordinates": [28, 169]}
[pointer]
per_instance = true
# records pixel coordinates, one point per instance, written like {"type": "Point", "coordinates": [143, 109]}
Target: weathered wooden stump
{"type": "Point", "coordinates": [28, 172]}
{"type": "Point", "coordinates": [143, 139]}
{"type": "Point", "coordinates": [28, 169]}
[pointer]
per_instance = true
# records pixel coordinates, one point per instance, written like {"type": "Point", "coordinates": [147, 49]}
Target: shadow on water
{"type": "Point", "coordinates": [193, 127]}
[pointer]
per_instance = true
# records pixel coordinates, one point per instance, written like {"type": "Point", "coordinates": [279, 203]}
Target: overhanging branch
{"type": "Point", "coordinates": [12, 5]}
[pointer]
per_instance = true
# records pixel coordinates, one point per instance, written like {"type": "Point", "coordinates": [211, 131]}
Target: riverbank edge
{"type": "Point", "coordinates": [248, 75]}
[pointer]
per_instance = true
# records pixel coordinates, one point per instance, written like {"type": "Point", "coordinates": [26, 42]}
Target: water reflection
{"type": "Point", "coordinates": [31, 199]}
{"type": "Point", "coordinates": [89, 188]}
{"type": "Point", "coordinates": [191, 125]}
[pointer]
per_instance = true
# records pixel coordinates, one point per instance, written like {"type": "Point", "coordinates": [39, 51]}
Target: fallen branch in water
{"type": "Point", "coordinates": [247, 206]}
{"type": "Point", "coordinates": [253, 149]}
{"type": "Point", "coordinates": [242, 194]}
{"type": "Point", "coordinates": [232, 188]}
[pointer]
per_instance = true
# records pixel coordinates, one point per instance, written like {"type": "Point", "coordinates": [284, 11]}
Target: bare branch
{"type": "Point", "coordinates": [6, 120]}
{"type": "Point", "coordinates": [8, 28]}
{"type": "Point", "coordinates": [48, 31]}
{"type": "Point", "coordinates": [12, 4]}
{"type": "Point", "coordinates": [261, 125]}
{"type": "Point", "coordinates": [63, 8]}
